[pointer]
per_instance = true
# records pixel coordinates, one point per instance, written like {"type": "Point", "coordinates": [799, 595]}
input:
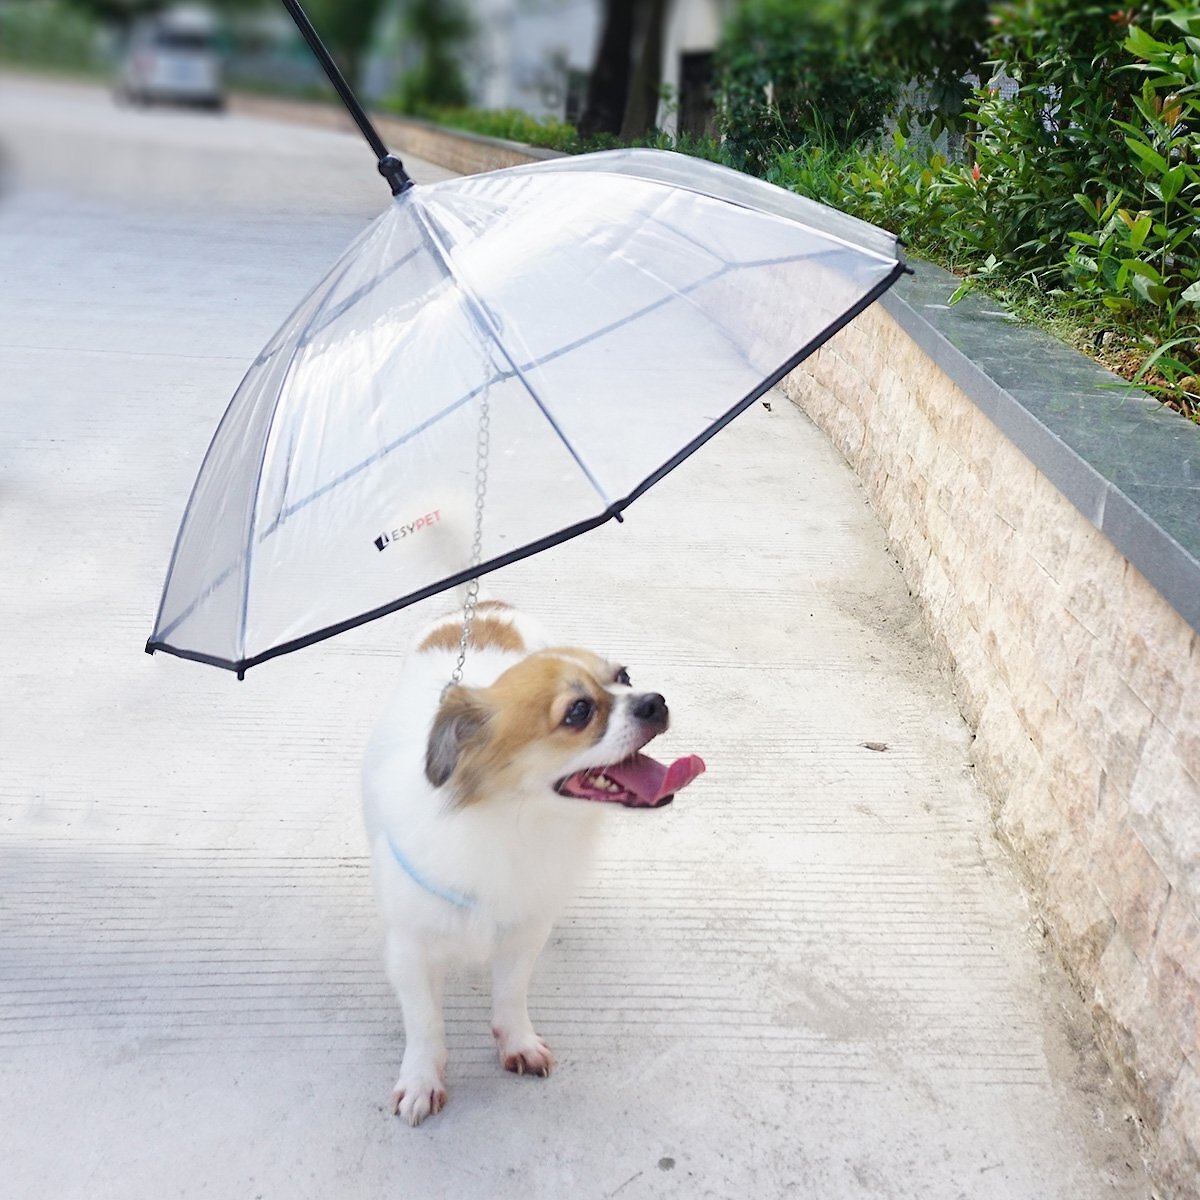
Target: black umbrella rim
{"type": "Point", "coordinates": [614, 511]}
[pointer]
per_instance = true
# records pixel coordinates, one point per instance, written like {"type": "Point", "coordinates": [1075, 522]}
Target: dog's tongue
{"type": "Point", "coordinates": [650, 781]}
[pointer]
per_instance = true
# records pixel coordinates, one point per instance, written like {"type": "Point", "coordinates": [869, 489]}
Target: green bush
{"type": "Point", "coordinates": [1080, 203]}
{"type": "Point", "coordinates": [513, 125]}
{"type": "Point", "coordinates": [510, 124]}
{"type": "Point", "coordinates": [931, 44]}
{"type": "Point", "coordinates": [1056, 136]}
{"type": "Point", "coordinates": [1139, 256]}
{"type": "Point", "coordinates": [792, 73]}
{"type": "Point", "coordinates": [437, 30]}
{"type": "Point", "coordinates": [49, 34]}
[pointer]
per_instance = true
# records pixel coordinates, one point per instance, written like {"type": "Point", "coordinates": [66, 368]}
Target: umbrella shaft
{"type": "Point", "coordinates": [390, 167]}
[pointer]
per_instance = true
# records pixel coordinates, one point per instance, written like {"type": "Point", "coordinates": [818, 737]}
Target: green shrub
{"type": "Point", "coordinates": [792, 73]}
{"type": "Point", "coordinates": [932, 44]}
{"type": "Point", "coordinates": [513, 125]}
{"type": "Point", "coordinates": [49, 34]}
{"type": "Point", "coordinates": [1138, 258]}
{"type": "Point", "coordinates": [1056, 136]}
{"type": "Point", "coordinates": [509, 123]}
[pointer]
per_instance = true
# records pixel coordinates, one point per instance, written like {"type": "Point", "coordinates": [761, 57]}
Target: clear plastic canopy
{"type": "Point", "coordinates": [593, 320]}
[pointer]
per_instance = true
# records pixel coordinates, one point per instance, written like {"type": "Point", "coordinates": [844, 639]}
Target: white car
{"type": "Point", "coordinates": [172, 58]}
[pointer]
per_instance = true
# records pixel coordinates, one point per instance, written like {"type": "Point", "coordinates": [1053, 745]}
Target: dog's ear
{"type": "Point", "coordinates": [460, 717]}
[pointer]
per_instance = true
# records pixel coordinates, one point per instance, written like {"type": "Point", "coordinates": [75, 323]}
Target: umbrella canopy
{"type": "Point", "coordinates": [529, 349]}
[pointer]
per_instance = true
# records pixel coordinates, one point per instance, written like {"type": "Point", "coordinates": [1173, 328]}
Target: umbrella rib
{"type": "Point", "coordinates": [355, 296]}
{"type": "Point", "coordinates": [830, 234]}
{"type": "Point", "coordinates": [264, 357]}
{"type": "Point", "coordinates": [248, 553]}
{"type": "Point", "coordinates": [484, 318]}
{"type": "Point", "coordinates": [291, 510]}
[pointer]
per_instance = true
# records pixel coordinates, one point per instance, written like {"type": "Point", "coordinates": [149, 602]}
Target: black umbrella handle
{"type": "Point", "coordinates": [390, 167]}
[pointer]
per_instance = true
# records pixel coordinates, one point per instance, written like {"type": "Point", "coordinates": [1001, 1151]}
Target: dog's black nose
{"type": "Point", "coordinates": [651, 708]}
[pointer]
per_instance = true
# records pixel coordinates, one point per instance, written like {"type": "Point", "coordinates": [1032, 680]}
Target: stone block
{"type": "Point", "coordinates": [969, 503]}
{"type": "Point", "coordinates": [1080, 922]}
{"type": "Point", "coordinates": [975, 594]}
{"type": "Point", "coordinates": [933, 392]}
{"type": "Point", "coordinates": [1177, 1163]}
{"type": "Point", "coordinates": [1146, 1057]}
{"type": "Point", "coordinates": [1131, 882]}
{"type": "Point", "coordinates": [1012, 484]}
{"type": "Point", "coordinates": [1063, 649]}
{"type": "Point", "coordinates": [963, 429]}
{"type": "Point", "coordinates": [979, 450]}
{"type": "Point", "coordinates": [999, 641]}
{"type": "Point", "coordinates": [1000, 740]}
{"type": "Point", "coordinates": [1049, 524]}
{"type": "Point", "coordinates": [1093, 581]}
{"type": "Point", "coordinates": [1176, 973]}
{"type": "Point", "coordinates": [1031, 593]}
{"type": "Point", "coordinates": [1187, 720]}
{"type": "Point", "coordinates": [996, 549]}
{"type": "Point", "coordinates": [1073, 777]}
{"type": "Point", "coordinates": [1154, 649]}
{"type": "Point", "coordinates": [975, 682]}
{"type": "Point", "coordinates": [1164, 806]}
{"type": "Point", "coordinates": [1037, 709]}
{"type": "Point", "coordinates": [1114, 721]}
{"type": "Point", "coordinates": [1024, 816]}
{"type": "Point", "coordinates": [936, 589]}
{"type": "Point", "coordinates": [914, 561]}
{"type": "Point", "coordinates": [945, 479]}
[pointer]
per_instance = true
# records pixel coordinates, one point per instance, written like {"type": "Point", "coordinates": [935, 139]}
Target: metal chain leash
{"type": "Point", "coordinates": [482, 446]}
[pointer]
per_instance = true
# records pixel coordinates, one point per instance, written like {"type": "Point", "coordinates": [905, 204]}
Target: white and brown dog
{"type": "Point", "coordinates": [480, 803]}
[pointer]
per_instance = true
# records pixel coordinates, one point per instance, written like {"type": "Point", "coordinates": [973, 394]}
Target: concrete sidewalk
{"type": "Point", "coordinates": [814, 975]}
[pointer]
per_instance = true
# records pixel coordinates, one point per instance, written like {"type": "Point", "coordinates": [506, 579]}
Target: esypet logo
{"type": "Point", "coordinates": [404, 531]}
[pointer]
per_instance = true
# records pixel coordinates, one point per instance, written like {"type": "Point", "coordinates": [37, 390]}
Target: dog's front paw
{"type": "Point", "coordinates": [526, 1053]}
{"type": "Point", "coordinates": [418, 1094]}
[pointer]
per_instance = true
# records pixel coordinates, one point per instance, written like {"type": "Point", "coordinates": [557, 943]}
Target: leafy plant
{"type": "Point", "coordinates": [933, 44]}
{"type": "Point", "coordinates": [53, 34]}
{"type": "Point", "coordinates": [436, 32]}
{"type": "Point", "coordinates": [1046, 136]}
{"type": "Point", "coordinates": [791, 73]}
{"type": "Point", "coordinates": [1138, 259]}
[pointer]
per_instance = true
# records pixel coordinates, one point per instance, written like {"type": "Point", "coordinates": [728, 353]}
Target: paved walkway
{"type": "Point", "coordinates": [814, 975]}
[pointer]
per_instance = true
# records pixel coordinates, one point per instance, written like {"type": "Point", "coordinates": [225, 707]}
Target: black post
{"type": "Point", "coordinates": [390, 167]}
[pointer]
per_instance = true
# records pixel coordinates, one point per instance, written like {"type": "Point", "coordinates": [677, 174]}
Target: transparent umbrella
{"type": "Point", "coordinates": [499, 363]}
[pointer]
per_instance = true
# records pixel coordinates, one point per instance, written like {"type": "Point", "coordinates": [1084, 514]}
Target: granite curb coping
{"type": "Point", "coordinates": [1128, 463]}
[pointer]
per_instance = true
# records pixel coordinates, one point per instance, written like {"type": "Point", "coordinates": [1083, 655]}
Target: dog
{"type": "Point", "coordinates": [483, 802]}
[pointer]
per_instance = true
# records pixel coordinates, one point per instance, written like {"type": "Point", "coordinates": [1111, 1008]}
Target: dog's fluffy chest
{"type": "Point", "coordinates": [468, 873]}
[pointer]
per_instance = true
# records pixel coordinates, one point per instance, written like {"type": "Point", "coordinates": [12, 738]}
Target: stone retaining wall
{"type": "Point", "coordinates": [1083, 687]}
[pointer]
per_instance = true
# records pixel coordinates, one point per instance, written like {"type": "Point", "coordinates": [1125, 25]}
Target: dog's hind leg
{"type": "Point", "coordinates": [418, 978]}
{"type": "Point", "coordinates": [521, 1050]}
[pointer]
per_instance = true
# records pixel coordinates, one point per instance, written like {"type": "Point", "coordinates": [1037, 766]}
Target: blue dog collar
{"type": "Point", "coordinates": [451, 897]}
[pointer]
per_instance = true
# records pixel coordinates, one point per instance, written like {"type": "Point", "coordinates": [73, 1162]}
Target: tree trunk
{"type": "Point", "coordinates": [608, 86]}
{"type": "Point", "coordinates": [641, 110]}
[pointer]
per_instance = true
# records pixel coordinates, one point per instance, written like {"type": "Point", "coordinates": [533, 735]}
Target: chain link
{"type": "Point", "coordinates": [482, 447]}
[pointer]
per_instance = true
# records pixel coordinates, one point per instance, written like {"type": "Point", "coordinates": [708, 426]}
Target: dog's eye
{"type": "Point", "coordinates": [623, 678]}
{"type": "Point", "coordinates": [580, 713]}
